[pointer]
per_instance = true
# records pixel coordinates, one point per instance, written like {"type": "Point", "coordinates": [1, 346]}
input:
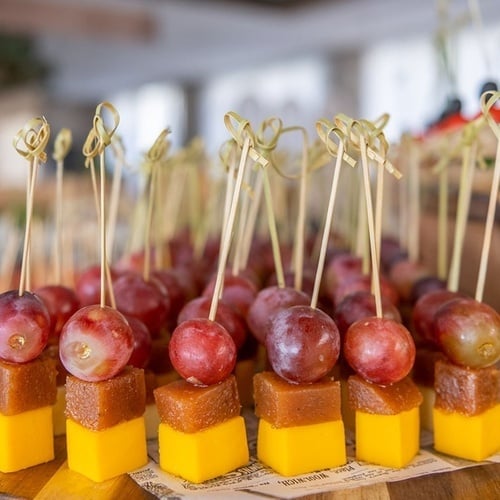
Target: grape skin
{"type": "Point", "coordinates": [24, 326]}
{"type": "Point", "coordinates": [303, 344]}
{"type": "Point", "coordinates": [380, 350]}
{"type": "Point", "coordinates": [468, 332]}
{"type": "Point", "coordinates": [267, 303]}
{"type": "Point", "coordinates": [96, 343]}
{"type": "Point", "coordinates": [202, 351]}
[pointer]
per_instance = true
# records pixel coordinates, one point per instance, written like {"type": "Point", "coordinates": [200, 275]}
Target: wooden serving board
{"type": "Point", "coordinates": [54, 481]}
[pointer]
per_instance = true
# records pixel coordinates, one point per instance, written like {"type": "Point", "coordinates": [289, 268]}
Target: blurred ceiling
{"type": "Point", "coordinates": [96, 46]}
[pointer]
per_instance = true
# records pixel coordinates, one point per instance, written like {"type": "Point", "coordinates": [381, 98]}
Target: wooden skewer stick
{"type": "Point", "coordinates": [362, 142]}
{"type": "Point", "coordinates": [97, 140]}
{"type": "Point", "coordinates": [442, 243]}
{"type": "Point", "coordinates": [30, 143]}
{"type": "Point", "coordinates": [488, 99]}
{"type": "Point", "coordinates": [244, 138]}
{"type": "Point", "coordinates": [119, 151]}
{"type": "Point", "coordinates": [464, 196]}
{"type": "Point", "coordinates": [330, 207]}
{"type": "Point", "coordinates": [62, 146]}
{"type": "Point", "coordinates": [154, 156]}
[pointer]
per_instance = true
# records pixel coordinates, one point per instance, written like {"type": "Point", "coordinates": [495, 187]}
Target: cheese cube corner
{"type": "Point", "coordinates": [103, 454]}
{"type": "Point", "coordinates": [473, 437]}
{"type": "Point", "coordinates": [26, 439]}
{"type": "Point", "coordinates": [301, 449]}
{"type": "Point", "coordinates": [388, 440]}
{"type": "Point", "coordinates": [205, 454]}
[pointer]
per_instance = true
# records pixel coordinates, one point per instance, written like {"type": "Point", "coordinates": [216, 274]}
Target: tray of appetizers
{"type": "Point", "coordinates": [254, 344]}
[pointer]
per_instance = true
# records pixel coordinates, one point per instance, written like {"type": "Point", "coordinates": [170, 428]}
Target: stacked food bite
{"type": "Point", "coordinates": [227, 312]}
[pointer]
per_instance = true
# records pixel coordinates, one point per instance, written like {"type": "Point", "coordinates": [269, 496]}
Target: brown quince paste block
{"type": "Point", "coordinates": [52, 350]}
{"type": "Point", "coordinates": [27, 386]}
{"type": "Point", "coordinates": [469, 391]}
{"type": "Point", "coordinates": [284, 404]}
{"type": "Point", "coordinates": [151, 384]}
{"type": "Point", "coordinates": [99, 405]}
{"type": "Point", "coordinates": [383, 400]}
{"type": "Point", "coordinates": [189, 408]}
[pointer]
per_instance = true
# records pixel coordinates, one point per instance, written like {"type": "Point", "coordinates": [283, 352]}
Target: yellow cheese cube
{"type": "Point", "coordinates": [302, 448]}
{"type": "Point", "coordinates": [427, 407]}
{"type": "Point", "coordinates": [58, 413]}
{"type": "Point", "coordinates": [152, 421]}
{"type": "Point", "coordinates": [101, 455]}
{"type": "Point", "coordinates": [471, 437]}
{"type": "Point", "coordinates": [26, 439]}
{"type": "Point", "coordinates": [205, 454]}
{"type": "Point", "coordinates": [388, 440]}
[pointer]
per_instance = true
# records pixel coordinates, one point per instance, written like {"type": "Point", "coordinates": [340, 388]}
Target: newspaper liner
{"type": "Point", "coordinates": [256, 480]}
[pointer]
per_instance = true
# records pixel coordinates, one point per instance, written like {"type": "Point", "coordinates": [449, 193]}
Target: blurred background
{"type": "Point", "coordinates": [184, 63]}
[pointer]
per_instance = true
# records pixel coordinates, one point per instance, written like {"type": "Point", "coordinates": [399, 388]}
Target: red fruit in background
{"type": "Point", "coordinates": [364, 283]}
{"type": "Point", "coordinates": [424, 311]}
{"type": "Point", "coordinates": [176, 293]}
{"type": "Point", "coordinates": [96, 343]}
{"type": "Point", "coordinates": [361, 305]}
{"type": "Point", "coordinates": [390, 253]}
{"type": "Point", "coordinates": [403, 274]}
{"type": "Point", "coordinates": [380, 350]}
{"type": "Point", "coordinates": [88, 285]}
{"type": "Point", "coordinates": [142, 344]}
{"type": "Point", "coordinates": [238, 292]}
{"type": "Point", "coordinates": [147, 301]}
{"type": "Point", "coordinates": [24, 326]}
{"type": "Point", "coordinates": [61, 303]}
{"type": "Point", "coordinates": [267, 303]}
{"type": "Point", "coordinates": [308, 277]}
{"type": "Point", "coordinates": [202, 351]}
{"type": "Point", "coordinates": [225, 315]}
{"type": "Point", "coordinates": [303, 344]}
{"type": "Point", "coordinates": [468, 332]}
{"type": "Point", "coordinates": [340, 268]}
{"type": "Point", "coordinates": [426, 285]}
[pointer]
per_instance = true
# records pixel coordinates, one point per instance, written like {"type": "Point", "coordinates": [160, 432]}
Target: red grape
{"type": "Point", "coordinates": [176, 293]}
{"type": "Point", "coordinates": [133, 261]}
{"type": "Point", "coordinates": [361, 305]}
{"type": "Point", "coordinates": [308, 277]}
{"type": "Point", "coordinates": [363, 282]}
{"type": "Point", "coordinates": [380, 350]}
{"type": "Point", "coordinates": [268, 302]}
{"type": "Point", "coordinates": [303, 344]}
{"type": "Point", "coordinates": [96, 343]}
{"type": "Point", "coordinates": [180, 249]}
{"type": "Point", "coordinates": [390, 253]}
{"type": "Point", "coordinates": [145, 300]}
{"type": "Point", "coordinates": [403, 274]}
{"type": "Point", "coordinates": [61, 303]}
{"type": "Point", "coordinates": [189, 281]}
{"type": "Point", "coordinates": [143, 343]}
{"type": "Point", "coordinates": [88, 285]}
{"type": "Point", "coordinates": [239, 292]}
{"type": "Point", "coordinates": [424, 311]}
{"type": "Point", "coordinates": [24, 326]}
{"type": "Point", "coordinates": [468, 332]}
{"type": "Point", "coordinates": [225, 315]}
{"type": "Point", "coordinates": [341, 267]}
{"type": "Point", "coordinates": [426, 285]}
{"type": "Point", "coordinates": [202, 351]}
